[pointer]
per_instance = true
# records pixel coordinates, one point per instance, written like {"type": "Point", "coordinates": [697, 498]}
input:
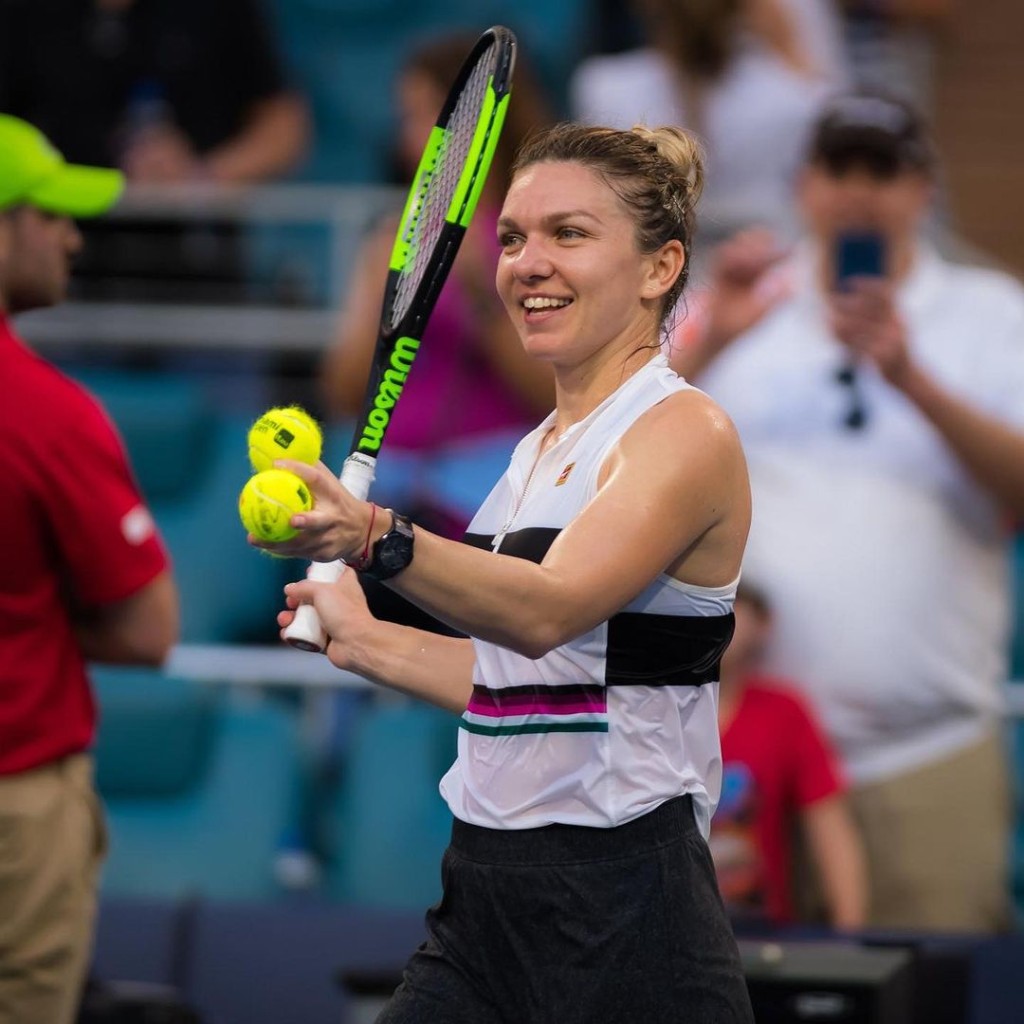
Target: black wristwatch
{"type": "Point", "coordinates": [393, 552]}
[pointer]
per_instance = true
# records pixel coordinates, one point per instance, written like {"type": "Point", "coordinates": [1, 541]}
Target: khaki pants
{"type": "Point", "coordinates": [52, 841]}
{"type": "Point", "coordinates": [937, 843]}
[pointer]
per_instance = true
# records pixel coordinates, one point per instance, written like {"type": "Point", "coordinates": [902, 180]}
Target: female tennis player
{"type": "Point", "coordinates": [595, 585]}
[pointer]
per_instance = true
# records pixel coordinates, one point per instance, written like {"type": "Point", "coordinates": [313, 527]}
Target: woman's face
{"type": "Point", "coordinates": [570, 272]}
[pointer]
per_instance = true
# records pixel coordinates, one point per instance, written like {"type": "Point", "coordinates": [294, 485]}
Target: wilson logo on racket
{"type": "Point", "coordinates": [388, 392]}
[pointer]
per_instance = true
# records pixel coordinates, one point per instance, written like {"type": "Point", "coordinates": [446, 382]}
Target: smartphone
{"type": "Point", "coordinates": [859, 254]}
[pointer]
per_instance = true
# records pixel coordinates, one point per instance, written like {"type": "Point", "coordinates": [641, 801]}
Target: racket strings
{"type": "Point", "coordinates": [439, 183]}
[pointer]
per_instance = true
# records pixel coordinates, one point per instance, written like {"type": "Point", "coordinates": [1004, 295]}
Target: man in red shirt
{"type": "Point", "coordinates": [778, 770]}
{"type": "Point", "coordinates": [83, 576]}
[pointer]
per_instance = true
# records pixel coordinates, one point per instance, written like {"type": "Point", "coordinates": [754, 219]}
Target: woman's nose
{"type": "Point", "coordinates": [533, 260]}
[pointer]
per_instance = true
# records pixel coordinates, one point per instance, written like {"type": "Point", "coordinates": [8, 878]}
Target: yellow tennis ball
{"type": "Point", "coordinates": [269, 500]}
{"type": "Point", "coordinates": [287, 432]}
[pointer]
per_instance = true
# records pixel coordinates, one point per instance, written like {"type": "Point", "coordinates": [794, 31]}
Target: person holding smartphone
{"type": "Point", "coordinates": [879, 393]}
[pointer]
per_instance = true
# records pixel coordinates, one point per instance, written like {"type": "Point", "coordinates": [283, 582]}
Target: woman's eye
{"type": "Point", "coordinates": [569, 233]}
{"type": "Point", "coordinates": [508, 239]}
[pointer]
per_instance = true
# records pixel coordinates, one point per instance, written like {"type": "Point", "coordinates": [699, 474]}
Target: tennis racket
{"type": "Point", "coordinates": [438, 209]}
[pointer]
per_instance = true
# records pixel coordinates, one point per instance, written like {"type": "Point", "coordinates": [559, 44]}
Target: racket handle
{"type": "Point", "coordinates": [305, 632]}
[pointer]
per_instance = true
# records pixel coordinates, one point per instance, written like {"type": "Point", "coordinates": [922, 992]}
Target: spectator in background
{"type": "Point", "coordinates": [891, 44]}
{"type": "Point", "coordinates": [779, 770]}
{"type": "Point", "coordinates": [473, 391]}
{"type": "Point", "coordinates": [83, 576]}
{"type": "Point", "coordinates": [748, 76]}
{"type": "Point", "coordinates": [884, 424]}
{"type": "Point", "coordinates": [167, 90]}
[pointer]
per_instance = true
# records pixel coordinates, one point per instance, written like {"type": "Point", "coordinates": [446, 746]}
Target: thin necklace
{"type": "Point", "coordinates": [500, 535]}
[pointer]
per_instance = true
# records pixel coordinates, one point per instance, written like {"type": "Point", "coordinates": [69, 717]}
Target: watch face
{"type": "Point", "coordinates": [393, 552]}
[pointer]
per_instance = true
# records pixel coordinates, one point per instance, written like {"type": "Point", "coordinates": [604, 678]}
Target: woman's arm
{"type": "Point", "coordinates": [869, 323]}
{"type": "Point", "coordinates": [742, 291]}
{"type": "Point", "coordinates": [270, 144]}
{"type": "Point", "coordinates": [434, 668]}
{"type": "Point", "coordinates": [687, 514]}
{"type": "Point", "coordinates": [774, 24]}
{"type": "Point", "coordinates": [838, 854]}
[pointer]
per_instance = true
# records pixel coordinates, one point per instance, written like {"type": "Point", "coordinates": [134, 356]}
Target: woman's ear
{"type": "Point", "coordinates": [665, 265]}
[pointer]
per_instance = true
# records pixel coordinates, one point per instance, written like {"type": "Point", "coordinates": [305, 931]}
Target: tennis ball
{"type": "Point", "coordinates": [287, 432]}
{"type": "Point", "coordinates": [269, 500]}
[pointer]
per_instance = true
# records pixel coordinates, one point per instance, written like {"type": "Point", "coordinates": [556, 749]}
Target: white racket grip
{"type": "Point", "coordinates": [305, 631]}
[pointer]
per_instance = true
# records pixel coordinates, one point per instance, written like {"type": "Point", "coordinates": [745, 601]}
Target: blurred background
{"type": "Point", "coordinates": [274, 822]}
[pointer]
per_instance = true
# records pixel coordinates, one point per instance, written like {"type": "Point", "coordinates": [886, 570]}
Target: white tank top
{"type": "Point", "coordinates": [608, 726]}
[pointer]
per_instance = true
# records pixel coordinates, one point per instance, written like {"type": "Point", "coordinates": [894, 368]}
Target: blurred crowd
{"type": "Point", "coordinates": [878, 387]}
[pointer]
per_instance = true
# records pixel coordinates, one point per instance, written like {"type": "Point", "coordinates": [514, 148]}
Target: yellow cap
{"type": "Point", "coordinates": [32, 172]}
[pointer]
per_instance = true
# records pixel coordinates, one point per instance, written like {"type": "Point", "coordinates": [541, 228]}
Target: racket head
{"type": "Point", "coordinates": [438, 209]}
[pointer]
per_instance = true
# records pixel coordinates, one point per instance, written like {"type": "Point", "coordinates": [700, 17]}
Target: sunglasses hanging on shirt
{"type": "Point", "coordinates": [856, 416]}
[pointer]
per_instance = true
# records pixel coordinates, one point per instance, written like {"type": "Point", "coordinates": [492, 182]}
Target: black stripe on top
{"type": "Point", "coordinates": [545, 691]}
{"type": "Point", "coordinates": [666, 650]}
{"type": "Point", "coordinates": [531, 543]}
{"type": "Point", "coordinates": [643, 649]}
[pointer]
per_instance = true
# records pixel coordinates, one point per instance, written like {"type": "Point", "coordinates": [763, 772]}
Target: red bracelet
{"type": "Point", "coordinates": [364, 558]}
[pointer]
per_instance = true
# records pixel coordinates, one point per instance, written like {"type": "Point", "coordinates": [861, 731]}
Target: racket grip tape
{"type": "Point", "coordinates": [305, 632]}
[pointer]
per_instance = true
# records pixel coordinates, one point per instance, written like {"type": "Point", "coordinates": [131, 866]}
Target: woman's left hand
{"type": "Point", "coordinates": [336, 526]}
{"type": "Point", "coordinates": [343, 612]}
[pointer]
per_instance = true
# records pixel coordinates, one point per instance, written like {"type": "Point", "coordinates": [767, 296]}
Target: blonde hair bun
{"type": "Point", "coordinates": [683, 150]}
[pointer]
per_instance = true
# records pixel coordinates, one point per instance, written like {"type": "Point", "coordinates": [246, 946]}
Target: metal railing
{"type": "Point", "coordinates": [262, 665]}
{"type": "Point", "coordinates": [276, 233]}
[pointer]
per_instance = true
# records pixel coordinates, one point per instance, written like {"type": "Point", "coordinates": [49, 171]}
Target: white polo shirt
{"type": "Point", "coordinates": [886, 563]}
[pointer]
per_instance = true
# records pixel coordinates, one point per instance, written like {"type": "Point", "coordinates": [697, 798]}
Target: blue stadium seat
{"type": "Point", "coordinates": [156, 733]}
{"type": "Point", "coordinates": [165, 422]}
{"type": "Point", "coordinates": [387, 824]}
{"type": "Point", "coordinates": [345, 55]}
{"type": "Point", "coordinates": [997, 995]}
{"type": "Point", "coordinates": [259, 964]}
{"type": "Point", "coordinates": [140, 940]}
{"type": "Point", "coordinates": [198, 783]}
{"type": "Point", "coordinates": [1016, 738]}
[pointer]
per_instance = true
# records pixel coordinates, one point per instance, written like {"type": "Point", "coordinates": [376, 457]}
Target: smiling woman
{"type": "Point", "coordinates": [578, 214]}
{"type": "Point", "coordinates": [589, 760]}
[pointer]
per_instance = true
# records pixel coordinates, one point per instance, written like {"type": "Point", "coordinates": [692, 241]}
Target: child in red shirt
{"type": "Point", "coordinates": [778, 770]}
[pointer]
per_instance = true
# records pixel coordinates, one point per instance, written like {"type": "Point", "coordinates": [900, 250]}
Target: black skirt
{"type": "Point", "coordinates": [567, 924]}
